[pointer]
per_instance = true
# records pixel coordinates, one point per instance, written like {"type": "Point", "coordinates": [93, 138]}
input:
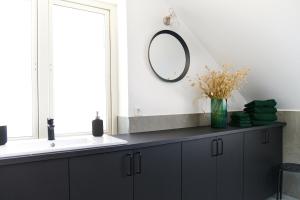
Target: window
{"type": "Point", "coordinates": [17, 68]}
{"type": "Point", "coordinates": [56, 62]}
{"type": "Point", "coordinates": [81, 84]}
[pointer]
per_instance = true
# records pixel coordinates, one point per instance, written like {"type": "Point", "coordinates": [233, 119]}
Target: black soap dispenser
{"type": "Point", "coordinates": [97, 126]}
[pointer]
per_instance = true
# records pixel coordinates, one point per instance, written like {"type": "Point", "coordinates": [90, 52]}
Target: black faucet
{"type": "Point", "coordinates": [51, 126]}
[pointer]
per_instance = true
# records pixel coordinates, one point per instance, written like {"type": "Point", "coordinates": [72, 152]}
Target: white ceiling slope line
{"type": "Point", "coordinates": [237, 101]}
{"type": "Point", "coordinates": [263, 35]}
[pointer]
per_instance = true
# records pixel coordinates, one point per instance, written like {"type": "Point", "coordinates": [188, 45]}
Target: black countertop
{"type": "Point", "coordinates": [139, 140]}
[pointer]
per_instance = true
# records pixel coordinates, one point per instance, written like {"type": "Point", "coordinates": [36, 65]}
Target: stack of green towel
{"type": "Point", "coordinates": [262, 112]}
{"type": "Point", "coordinates": [240, 119]}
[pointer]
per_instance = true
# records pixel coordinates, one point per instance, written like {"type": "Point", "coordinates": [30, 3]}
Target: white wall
{"type": "Point", "coordinates": [122, 58]}
{"type": "Point", "coordinates": [146, 91]}
{"type": "Point", "coordinates": [261, 34]}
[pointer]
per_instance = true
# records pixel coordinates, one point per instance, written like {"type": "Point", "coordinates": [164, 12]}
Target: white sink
{"type": "Point", "coordinates": [38, 146]}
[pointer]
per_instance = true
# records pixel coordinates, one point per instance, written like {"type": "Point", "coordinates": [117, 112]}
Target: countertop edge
{"type": "Point", "coordinates": [131, 146]}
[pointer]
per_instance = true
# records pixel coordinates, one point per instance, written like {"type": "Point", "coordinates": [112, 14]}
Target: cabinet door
{"type": "Point", "coordinates": [103, 176]}
{"type": "Point", "coordinates": [262, 156]}
{"type": "Point", "coordinates": [230, 167]}
{"type": "Point", "coordinates": [158, 173]}
{"type": "Point", "coordinates": [274, 153]}
{"type": "Point", "coordinates": [199, 170]}
{"type": "Point", "coordinates": [45, 180]}
{"type": "Point", "coordinates": [255, 165]}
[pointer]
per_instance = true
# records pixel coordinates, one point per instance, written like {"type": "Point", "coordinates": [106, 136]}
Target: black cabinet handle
{"type": "Point", "coordinates": [138, 163]}
{"type": "Point", "coordinates": [214, 147]}
{"type": "Point", "coordinates": [220, 147]}
{"type": "Point", "coordinates": [129, 158]}
{"type": "Point", "coordinates": [268, 137]}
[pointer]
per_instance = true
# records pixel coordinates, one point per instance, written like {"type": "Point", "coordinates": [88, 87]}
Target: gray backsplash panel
{"type": "Point", "coordinates": [291, 150]}
{"type": "Point", "coordinates": [161, 122]}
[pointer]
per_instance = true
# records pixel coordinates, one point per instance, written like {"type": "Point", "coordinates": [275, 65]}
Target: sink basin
{"type": "Point", "coordinates": [38, 146]}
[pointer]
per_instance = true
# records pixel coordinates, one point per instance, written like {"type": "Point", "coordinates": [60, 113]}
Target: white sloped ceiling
{"type": "Point", "coordinates": [261, 34]}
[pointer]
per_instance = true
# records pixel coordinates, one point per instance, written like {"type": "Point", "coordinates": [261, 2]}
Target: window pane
{"type": "Point", "coordinates": [15, 67]}
{"type": "Point", "coordinates": [79, 69]}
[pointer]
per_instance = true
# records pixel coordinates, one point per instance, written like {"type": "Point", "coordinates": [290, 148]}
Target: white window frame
{"type": "Point", "coordinates": [34, 74]}
{"type": "Point", "coordinates": [34, 70]}
{"type": "Point", "coordinates": [45, 61]}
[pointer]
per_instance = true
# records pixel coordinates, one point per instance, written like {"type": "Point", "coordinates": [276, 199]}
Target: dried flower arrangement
{"type": "Point", "coordinates": [219, 84]}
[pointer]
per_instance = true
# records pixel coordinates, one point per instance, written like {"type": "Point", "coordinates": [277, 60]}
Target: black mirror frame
{"type": "Point", "coordinates": [186, 51]}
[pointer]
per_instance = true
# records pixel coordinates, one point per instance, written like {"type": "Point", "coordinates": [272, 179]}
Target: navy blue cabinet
{"type": "Point", "coordinates": [143, 174]}
{"type": "Point", "coordinates": [46, 180]}
{"type": "Point", "coordinates": [263, 155]}
{"type": "Point", "coordinates": [158, 173]}
{"type": "Point", "coordinates": [236, 166]}
{"type": "Point", "coordinates": [199, 170]}
{"type": "Point", "coordinates": [230, 168]}
{"type": "Point", "coordinates": [103, 176]}
{"type": "Point", "coordinates": [212, 168]}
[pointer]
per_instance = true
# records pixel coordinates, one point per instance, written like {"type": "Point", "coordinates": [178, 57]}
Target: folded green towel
{"type": "Point", "coordinates": [241, 124]}
{"type": "Point", "coordinates": [259, 103]}
{"type": "Point", "coordinates": [241, 121]}
{"type": "Point", "coordinates": [240, 114]}
{"type": "Point", "coordinates": [264, 117]}
{"type": "Point", "coordinates": [261, 123]}
{"type": "Point", "coordinates": [236, 118]}
{"type": "Point", "coordinates": [261, 110]}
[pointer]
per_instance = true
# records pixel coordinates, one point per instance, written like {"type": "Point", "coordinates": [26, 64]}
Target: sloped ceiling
{"type": "Point", "coordinates": [261, 34]}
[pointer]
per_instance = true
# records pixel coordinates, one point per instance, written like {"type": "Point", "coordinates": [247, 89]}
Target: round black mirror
{"type": "Point", "coordinates": [169, 56]}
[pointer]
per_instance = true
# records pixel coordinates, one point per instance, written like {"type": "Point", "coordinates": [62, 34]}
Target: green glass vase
{"type": "Point", "coordinates": [218, 113]}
